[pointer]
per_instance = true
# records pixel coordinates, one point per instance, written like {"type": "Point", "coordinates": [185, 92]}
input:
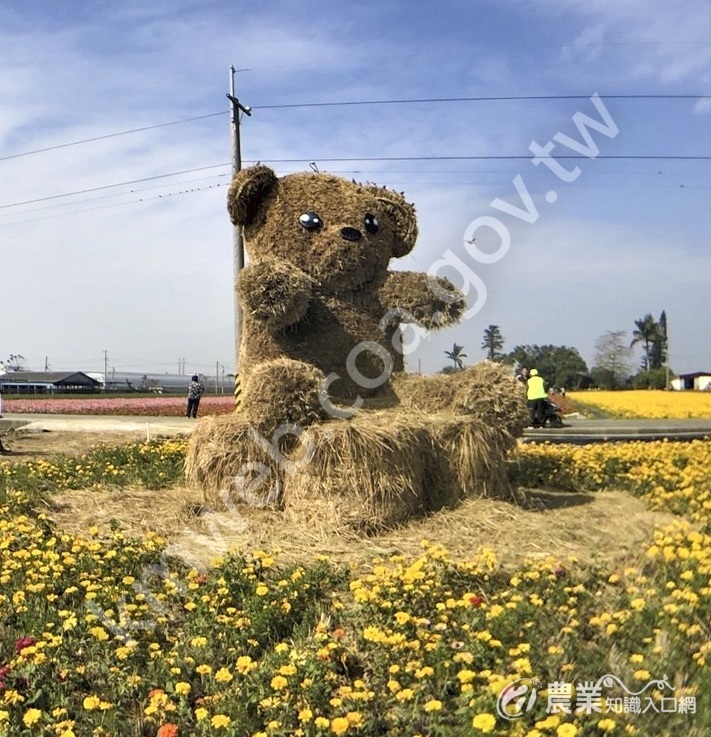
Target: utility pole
{"type": "Point", "coordinates": [106, 368]}
{"type": "Point", "coordinates": [237, 242]}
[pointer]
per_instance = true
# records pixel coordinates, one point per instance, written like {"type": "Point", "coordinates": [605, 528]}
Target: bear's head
{"type": "Point", "coordinates": [340, 233]}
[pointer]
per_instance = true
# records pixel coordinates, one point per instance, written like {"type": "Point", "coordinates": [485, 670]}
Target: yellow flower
{"type": "Point", "coordinates": [278, 683]}
{"type": "Point", "coordinates": [91, 702]}
{"type": "Point", "coordinates": [182, 688]}
{"type": "Point", "coordinates": [31, 716]}
{"type": "Point", "coordinates": [245, 664]}
{"type": "Point", "coordinates": [220, 721]}
{"type": "Point", "coordinates": [4, 715]}
{"type": "Point", "coordinates": [223, 676]}
{"type": "Point", "coordinates": [261, 590]}
{"type": "Point", "coordinates": [566, 730]}
{"type": "Point", "coordinates": [642, 675]}
{"type": "Point", "coordinates": [204, 669]}
{"type": "Point", "coordinates": [305, 715]}
{"type": "Point", "coordinates": [606, 725]}
{"type": "Point", "coordinates": [433, 705]}
{"type": "Point", "coordinates": [321, 722]}
{"type": "Point", "coordinates": [200, 713]}
{"type": "Point", "coordinates": [484, 722]}
{"type": "Point", "coordinates": [100, 633]}
{"type": "Point", "coordinates": [339, 725]}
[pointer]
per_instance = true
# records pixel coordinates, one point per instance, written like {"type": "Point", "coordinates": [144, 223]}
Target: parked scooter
{"type": "Point", "coordinates": [552, 414]}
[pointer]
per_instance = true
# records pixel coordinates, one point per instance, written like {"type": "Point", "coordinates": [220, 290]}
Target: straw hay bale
{"type": "Point", "coordinates": [375, 470]}
{"type": "Point", "coordinates": [283, 391]}
{"type": "Point", "coordinates": [487, 391]}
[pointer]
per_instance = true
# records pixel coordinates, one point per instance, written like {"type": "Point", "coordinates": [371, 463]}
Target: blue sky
{"type": "Point", "coordinates": [144, 270]}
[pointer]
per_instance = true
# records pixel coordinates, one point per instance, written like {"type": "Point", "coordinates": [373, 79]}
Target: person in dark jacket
{"type": "Point", "coordinates": [195, 390]}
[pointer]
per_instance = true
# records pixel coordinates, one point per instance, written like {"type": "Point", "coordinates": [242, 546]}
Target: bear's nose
{"type": "Point", "coordinates": [351, 234]}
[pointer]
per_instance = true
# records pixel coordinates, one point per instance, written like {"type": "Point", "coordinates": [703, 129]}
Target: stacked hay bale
{"type": "Point", "coordinates": [377, 469]}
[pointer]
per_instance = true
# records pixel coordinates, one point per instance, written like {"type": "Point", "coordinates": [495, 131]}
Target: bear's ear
{"type": "Point", "coordinates": [247, 193]}
{"type": "Point", "coordinates": [402, 214]}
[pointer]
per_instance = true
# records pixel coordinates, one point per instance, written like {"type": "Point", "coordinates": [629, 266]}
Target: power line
{"type": "Point", "coordinates": [349, 103]}
{"type": "Point", "coordinates": [496, 157]}
{"type": "Point", "coordinates": [110, 135]}
{"type": "Point", "coordinates": [109, 186]}
{"type": "Point", "coordinates": [487, 98]}
{"type": "Point", "coordinates": [483, 157]}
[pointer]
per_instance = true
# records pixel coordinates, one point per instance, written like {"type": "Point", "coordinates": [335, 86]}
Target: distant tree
{"type": "Point", "coordinates": [658, 354]}
{"type": "Point", "coordinates": [646, 332]}
{"type": "Point", "coordinates": [456, 355]}
{"type": "Point", "coordinates": [493, 343]}
{"type": "Point", "coordinates": [560, 366]}
{"type": "Point", "coordinates": [612, 360]}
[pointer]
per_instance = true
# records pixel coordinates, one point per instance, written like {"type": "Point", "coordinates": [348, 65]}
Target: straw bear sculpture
{"type": "Point", "coordinates": [321, 311]}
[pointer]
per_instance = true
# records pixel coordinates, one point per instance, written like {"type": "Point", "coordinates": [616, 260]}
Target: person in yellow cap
{"type": "Point", "coordinates": [536, 394]}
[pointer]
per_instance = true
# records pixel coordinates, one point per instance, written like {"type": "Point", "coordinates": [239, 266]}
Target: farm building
{"type": "Point", "coordinates": [698, 380]}
{"type": "Point", "coordinates": [47, 382]}
{"type": "Point", "coordinates": [127, 381]}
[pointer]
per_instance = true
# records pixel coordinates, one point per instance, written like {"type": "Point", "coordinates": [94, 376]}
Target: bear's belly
{"type": "Point", "coordinates": [346, 342]}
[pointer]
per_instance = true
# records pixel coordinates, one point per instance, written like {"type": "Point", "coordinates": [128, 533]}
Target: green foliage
{"type": "Point", "coordinates": [559, 366]}
{"type": "Point", "coordinates": [493, 343]}
{"type": "Point", "coordinates": [652, 379]}
{"type": "Point", "coordinates": [154, 464]}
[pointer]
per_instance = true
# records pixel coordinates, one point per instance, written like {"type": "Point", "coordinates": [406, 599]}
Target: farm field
{"type": "Point", "coordinates": [153, 406]}
{"type": "Point", "coordinates": [641, 404]}
{"type": "Point", "coordinates": [114, 620]}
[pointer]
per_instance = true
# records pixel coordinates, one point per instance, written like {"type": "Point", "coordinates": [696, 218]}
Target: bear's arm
{"type": "Point", "coordinates": [275, 292]}
{"type": "Point", "coordinates": [431, 302]}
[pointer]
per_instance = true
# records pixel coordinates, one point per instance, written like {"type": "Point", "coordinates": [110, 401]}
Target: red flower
{"type": "Point", "coordinates": [24, 642]}
{"type": "Point", "coordinates": [476, 600]}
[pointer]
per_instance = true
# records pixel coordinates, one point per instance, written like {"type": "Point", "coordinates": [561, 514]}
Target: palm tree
{"type": "Point", "coordinates": [456, 356]}
{"type": "Point", "coordinates": [646, 333]}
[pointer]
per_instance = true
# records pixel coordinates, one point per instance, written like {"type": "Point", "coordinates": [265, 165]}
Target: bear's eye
{"type": "Point", "coordinates": [371, 223]}
{"type": "Point", "coordinates": [310, 221]}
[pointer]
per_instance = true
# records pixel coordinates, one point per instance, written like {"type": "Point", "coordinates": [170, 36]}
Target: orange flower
{"type": "Point", "coordinates": [168, 730]}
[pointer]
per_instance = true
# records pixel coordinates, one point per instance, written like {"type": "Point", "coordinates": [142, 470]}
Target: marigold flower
{"type": "Point", "coordinates": [339, 725]}
{"type": "Point", "coordinates": [168, 730]}
{"type": "Point", "coordinates": [223, 676]}
{"type": "Point", "coordinates": [91, 702]}
{"type": "Point", "coordinates": [31, 716]}
{"type": "Point", "coordinates": [484, 722]}
{"type": "Point", "coordinates": [220, 721]}
{"type": "Point", "coordinates": [566, 730]}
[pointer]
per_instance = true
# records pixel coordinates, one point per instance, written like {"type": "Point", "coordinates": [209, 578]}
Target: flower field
{"type": "Point", "coordinates": [162, 406]}
{"type": "Point", "coordinates": [110, 637]}
{"type": "Point", "coordinates": [652, 404]}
